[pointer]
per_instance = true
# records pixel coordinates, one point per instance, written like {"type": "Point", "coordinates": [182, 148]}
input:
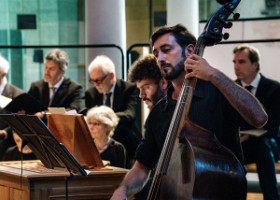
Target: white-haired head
{"type": "Point", "coordinates": [104, 115]}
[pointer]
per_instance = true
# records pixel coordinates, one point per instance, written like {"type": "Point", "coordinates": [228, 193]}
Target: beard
{"type": "Point", "coordinates": [158, 95]}
{"type": "Point", "coordinates": [175, 71]}
{"type": "Point", "coordinates": [155, 98]}
{"type": "Point", "coordinates": [100, 90]}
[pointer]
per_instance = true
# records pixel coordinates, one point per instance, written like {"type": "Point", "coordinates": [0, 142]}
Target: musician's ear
{"type": "Point", "coordinates": [189, 50]}
{"type": "Point", "coordinates": [164, 85]}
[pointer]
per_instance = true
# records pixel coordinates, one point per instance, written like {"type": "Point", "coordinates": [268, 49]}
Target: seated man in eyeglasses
{"type": "Point", "coordinates": [120, 95]}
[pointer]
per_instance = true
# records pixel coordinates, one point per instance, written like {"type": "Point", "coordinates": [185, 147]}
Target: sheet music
{"type": "Point", "coordinates": [25, 102]}
{"type": "Point", "coordinates": [4, 101]}
{"type": "Point", "coordinates": [254, 132]}
{"type": "Point", "coordinates": [56, 110]}
{"type": "Point", "coordinates": [61, 110]}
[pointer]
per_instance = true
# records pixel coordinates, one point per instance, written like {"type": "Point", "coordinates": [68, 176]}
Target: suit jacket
{"type": "Point", "coordinates": [11, 91]}
{"type": "Point", "coordinates": [125, 105]}
{"type": "Point", "coordinates": [268, 93]}
{"type": "Point", "coordinates": [68, 95]}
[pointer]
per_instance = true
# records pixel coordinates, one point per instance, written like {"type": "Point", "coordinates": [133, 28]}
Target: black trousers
{"type": "Point", "coordinates": [258, 150]}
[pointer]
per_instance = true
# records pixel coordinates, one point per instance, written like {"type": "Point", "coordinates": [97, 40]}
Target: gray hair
{"type": "Point", "coordinates": [60, 57]}
{"type": "Point", "coordinates": [102, 62]}
{"type": "Point", "coordinates": [104, 115]}
{"type": "Point", "coordinates": [4, 65]}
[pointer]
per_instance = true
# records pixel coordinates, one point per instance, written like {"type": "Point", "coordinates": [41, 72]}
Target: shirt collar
{"type": "Point", "coordinates": [3, 84]}
{"type": "Point", "coordinates": [112, 90]}
{"type": "Point", "coordinates": [58, 84]}
{"type": "Point", "coordinates": [254, 83]}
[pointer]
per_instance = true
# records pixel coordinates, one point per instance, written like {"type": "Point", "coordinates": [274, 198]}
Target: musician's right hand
{"type": "Point", "coordinates": [3, 134]}
{"type": "Point", "coordinates": [244, 137]}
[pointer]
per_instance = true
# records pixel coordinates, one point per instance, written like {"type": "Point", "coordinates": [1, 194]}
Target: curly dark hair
{"type": "Point", "coordinates": [145, 68]}
{"type": "Point", "coordinates": [182, 35]}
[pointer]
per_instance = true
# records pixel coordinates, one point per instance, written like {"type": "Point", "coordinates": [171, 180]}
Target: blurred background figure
{"type": "Point", "coordinates": [55, 90]}
{"type": "Point", "coordinates": [19, 152]}
{"type": "Point", "coordinates": [146, 74]}
{"type": "Point", "coordinates": [261, 150]}
{"type": "Point", "coordinates": [10, 91]}
{"type": "Point", "coordinates": [121, 96]}
{"type": "Point", "coordinates": [152, 86]}
{"type": "Point", "coordinates": [102, 122]}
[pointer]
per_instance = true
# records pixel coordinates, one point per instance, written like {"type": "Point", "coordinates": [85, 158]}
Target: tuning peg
{"type": "Point", "coordinates": [236, 16]}
{"type": "Point", "coordinates": [226, 36]}
{"type": "Point", "coordinates": [227, 24]}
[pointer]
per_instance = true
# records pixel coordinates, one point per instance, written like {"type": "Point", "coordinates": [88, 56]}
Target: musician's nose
{"type": "Point", "coordinates": [161, 56]}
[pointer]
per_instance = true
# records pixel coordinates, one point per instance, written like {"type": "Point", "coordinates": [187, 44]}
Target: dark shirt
{"type": "Point", "coordinates": [116, 154]}
{"type": "Point", "coordinates": [13, 154]}
{"type": "Point", "coordinates": [209, 109]}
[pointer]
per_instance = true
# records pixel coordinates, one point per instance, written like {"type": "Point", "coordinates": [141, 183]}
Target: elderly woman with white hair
{"type": "Point", "coordinates": [102, 122]}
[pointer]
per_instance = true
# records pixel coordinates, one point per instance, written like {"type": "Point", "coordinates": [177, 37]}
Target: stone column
{"type": "Point", "coordinates": [184, 12]}
{"type": "Point", "coordinates": [105, 24]}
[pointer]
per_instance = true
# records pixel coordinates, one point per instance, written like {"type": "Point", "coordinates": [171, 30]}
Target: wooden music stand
{"type": "Point", "coordinates": [43, 143]}
{"type": "Point", "coordinates": [73, 132]}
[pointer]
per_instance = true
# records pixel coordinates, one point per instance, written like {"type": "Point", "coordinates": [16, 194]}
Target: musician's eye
{"type": "Point", "coordinates": [155, 54]}
{"type": "Point", "coordinates": [166, 49]}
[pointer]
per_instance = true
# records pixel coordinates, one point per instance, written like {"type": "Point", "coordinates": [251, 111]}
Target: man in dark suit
{"type": "Point", "coordinates": [260, 150]}
{"type": "Point", "coordinates": [55, 90]}
{"type": "Point", "coordinates": [10, 91]}
{"type": "Point", "coordinates": [122, 99]}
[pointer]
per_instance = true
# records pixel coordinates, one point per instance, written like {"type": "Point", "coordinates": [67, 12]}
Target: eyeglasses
{"type": "Point", "coordinates": [98, 81]}
{"type": "Point", "coordinates": [94, 123]}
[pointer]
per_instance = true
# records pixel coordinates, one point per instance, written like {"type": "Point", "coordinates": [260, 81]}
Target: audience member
{"type": "Point", "coordinates": [55, 90]}
{"type": "Point", "coordinates": [216, 104]}
{"type": "Point", "coordinates": [102, 122]}
{"type": "Point", "coordinates": [259, 150]}
{"type": "Point", "coordinates": [152, 86]}
{"type": "Point", "coordinates": [10, 91]}
{"type": "Point", "coordinates": [123, 100]}
{"type": "Point", "coordinates": [19, 152]}
{"type": "Point", "coordinates": [146, 74]}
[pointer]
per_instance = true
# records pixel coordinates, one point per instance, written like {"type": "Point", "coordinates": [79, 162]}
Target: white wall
{"type": "Point", "coordinates": [220, 56]}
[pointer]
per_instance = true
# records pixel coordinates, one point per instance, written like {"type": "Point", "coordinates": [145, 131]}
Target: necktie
{"type": "Point", "coordinates": [52, 91]}
{"type": "Point", "coordinates": [249, 88]}
{"type": "Point", "coordinates": [108, 99]}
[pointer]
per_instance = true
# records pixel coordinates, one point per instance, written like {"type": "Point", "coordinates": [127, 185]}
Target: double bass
{"type": "Point", "coordinates": [193, 164]}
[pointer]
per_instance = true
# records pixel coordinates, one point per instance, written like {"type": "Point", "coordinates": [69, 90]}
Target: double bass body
{"type": "Point", "coordinates": [201, 168]}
